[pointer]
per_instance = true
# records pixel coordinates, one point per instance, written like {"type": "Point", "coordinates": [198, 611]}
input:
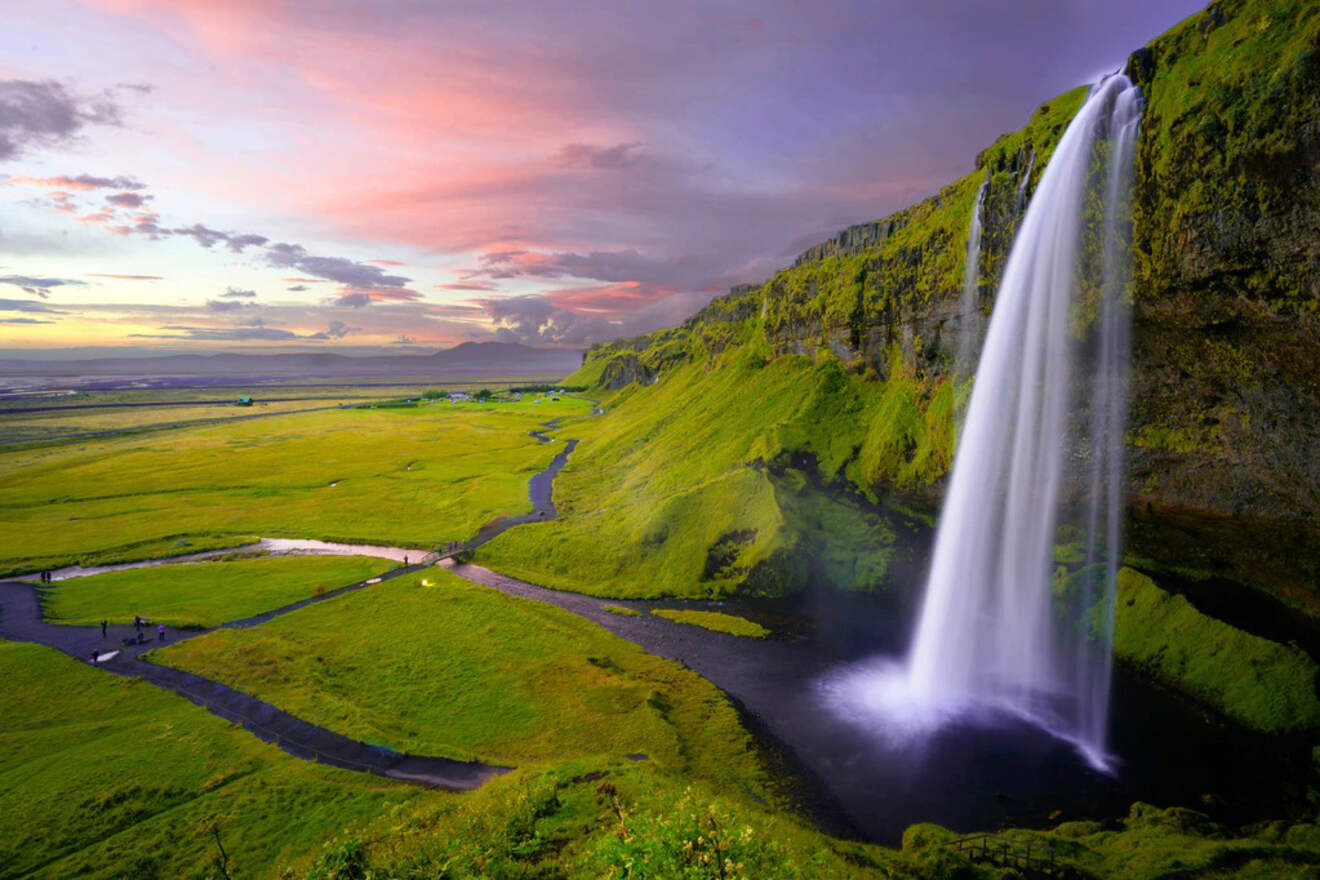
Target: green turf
{"type": "Point", "coordinates": [465, 671]}
{"type": "Point", "coordinates": [411, 477]}
{"type": "Point", "coordinates": [105, 777]}
{"type": "Point", "coordinates": [716, 621]}
{"type": "Point", "coordinates": [204, 593]}
{"type": "Point", "coordinates": [1259, 683]}
{"type": "Point", "coordinates": [620, 609]}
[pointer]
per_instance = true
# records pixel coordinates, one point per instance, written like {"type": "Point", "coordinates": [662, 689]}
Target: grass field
{"type": "Point", "coordinates": [106, 777]}
{"type": "Point", "coordinates": [38, 426]}
{"type": "Point", "coordinates": [464, 671]}
{"type": "Point", "coordinates": [203, 593]}
{"type": "Point", "coordinates": [408, 477]}
{"type": "Point", "coordinates": [716, 621]}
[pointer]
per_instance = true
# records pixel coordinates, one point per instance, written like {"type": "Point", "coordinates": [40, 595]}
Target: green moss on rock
{"type": "Point", "coordinates": [1261, 684]}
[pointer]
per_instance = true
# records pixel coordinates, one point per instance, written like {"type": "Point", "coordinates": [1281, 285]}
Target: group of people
{"type": "Point", "coordinates": [45, 577]}
{"type": "Point", "coordinates": [138, 624]}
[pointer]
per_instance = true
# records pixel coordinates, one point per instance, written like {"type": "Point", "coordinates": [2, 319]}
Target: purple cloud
{"type": "Point", "coordinates": [37, 114]}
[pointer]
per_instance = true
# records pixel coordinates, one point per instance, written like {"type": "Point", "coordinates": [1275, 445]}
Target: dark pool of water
{"type": "Point", "coordinates": [996, 770]}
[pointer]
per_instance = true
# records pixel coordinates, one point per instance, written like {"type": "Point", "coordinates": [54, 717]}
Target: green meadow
{"type": "Point", "coordinates": [104, 777]}
{"type": "Point", "coordinates": [460, 670]}
{"type": "Point", "coordinates": [411, 477]}
{"type": "Point", "coordinates": [206, 593]}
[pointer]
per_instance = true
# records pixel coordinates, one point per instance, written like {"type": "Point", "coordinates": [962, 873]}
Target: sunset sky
{"type": "Point", "coordinates": [205, 175]}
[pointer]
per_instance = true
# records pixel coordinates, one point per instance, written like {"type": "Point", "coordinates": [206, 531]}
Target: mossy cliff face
{"type": "Point", "coordinates": [1224, 424]}
{"type": "Point", "coordinates": [1225, 421]}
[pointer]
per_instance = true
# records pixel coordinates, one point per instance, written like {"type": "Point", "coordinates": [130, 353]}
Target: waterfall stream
{"type": "Point", "coordinates": [968, 307]}
{"type": "Point", "coordinates": [992, 628]}
{"type": "Point", "coordinates": [1017, 615]}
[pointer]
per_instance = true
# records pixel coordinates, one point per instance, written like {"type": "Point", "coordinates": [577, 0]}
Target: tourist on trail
{"type": "Point", "coordinates": [137, 622]}
{"type": "Point", "coordinates": [103, 623]}
{"type": "Point", "coordinates": [160, 633]}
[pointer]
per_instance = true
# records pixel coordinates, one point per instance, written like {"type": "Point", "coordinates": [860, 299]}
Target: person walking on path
{"type": "Point", "coordinates": [103, 623]}
{"type": "Point", "coordinates": [160, 633]}
{"type": "Point", "coordinates": [137, 622]}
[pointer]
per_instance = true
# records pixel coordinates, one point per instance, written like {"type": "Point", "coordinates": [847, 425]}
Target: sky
{"type": "Point", "coordinates": [400, 176]}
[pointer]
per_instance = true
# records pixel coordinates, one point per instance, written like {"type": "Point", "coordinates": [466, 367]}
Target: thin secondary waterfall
{"type": "Point", "coordinates": [994, 627]}
{"type": "Point", "coordinates": [968, 311]}
{"type": "Point", "coordinates": [1022, 185]}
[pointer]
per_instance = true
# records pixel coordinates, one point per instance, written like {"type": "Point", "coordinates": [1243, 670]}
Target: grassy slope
{"type": "Point", "coordinates": [108, 777]}
{"type": "Point", "coordinates": [462, 670]}
{"type": "Point", "coordinates": [136, 496]}
{"type": "Point", "coordinates": [605, 818]}
{"type": "Point", "coordinates": [203, 593]}
{"type": "Point", "coordinates": [715, 620]}
{"type": "Point", "coordinates": [688, 486]}
{"type": "Point", "coordinates": [1259, 683]}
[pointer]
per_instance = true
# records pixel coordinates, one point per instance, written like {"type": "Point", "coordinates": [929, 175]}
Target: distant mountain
{"type": "Point", "coordinates": [467, 359]}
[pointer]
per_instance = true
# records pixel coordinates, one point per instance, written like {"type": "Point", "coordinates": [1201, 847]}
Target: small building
{"type": "Point", "coordinates": [243, 401]}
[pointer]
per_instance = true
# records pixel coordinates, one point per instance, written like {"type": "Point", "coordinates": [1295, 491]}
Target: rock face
{"type": "Point", "coordinates": [1224, 426]}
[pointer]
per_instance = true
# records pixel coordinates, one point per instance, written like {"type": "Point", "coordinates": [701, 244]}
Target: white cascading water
{"type": "Point", "coordinates": [968, 311]}
{"type": "Point", "coordinates": [991, 630]}
{"type": "Point", "coordinates": [1022, 185]}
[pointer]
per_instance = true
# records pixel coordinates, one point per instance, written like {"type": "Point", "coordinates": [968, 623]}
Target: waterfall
{"type": "Point", "coordinates": [1022, 184]}
{"type": "Point", "coordinates": [994, 627]}
{"type": "Point", "coordinates": [968, 310]}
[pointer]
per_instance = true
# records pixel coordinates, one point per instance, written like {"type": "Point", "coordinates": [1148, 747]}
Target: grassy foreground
{"type": "Point", "coordinates": [462, 670]}
{"type": "Point", "coordinates": [203, 593]}
{"type": "Point", "coordinates": [410, 477]}
{"type": "Point", "coordinates": [115, 778]}
{"type": "Point", "coordinates": [106, 777]}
